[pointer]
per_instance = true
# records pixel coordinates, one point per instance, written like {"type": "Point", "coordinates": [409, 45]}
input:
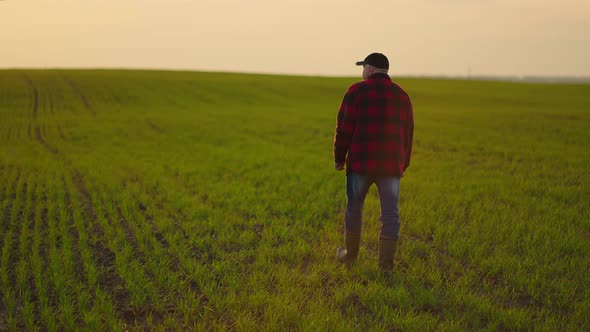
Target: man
{"type": "Point", "coordinates": [374, 140]}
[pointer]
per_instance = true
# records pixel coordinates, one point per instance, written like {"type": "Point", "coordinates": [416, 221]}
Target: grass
{"type": "Point", "coordinates": [135, 200]}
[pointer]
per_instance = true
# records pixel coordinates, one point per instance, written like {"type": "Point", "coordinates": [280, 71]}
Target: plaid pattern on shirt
{"type": "Point", "coordinates": [375, 128]}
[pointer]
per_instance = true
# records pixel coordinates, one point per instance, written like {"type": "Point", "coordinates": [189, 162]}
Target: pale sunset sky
{"type": "Point", "coordinates": [308, 37]}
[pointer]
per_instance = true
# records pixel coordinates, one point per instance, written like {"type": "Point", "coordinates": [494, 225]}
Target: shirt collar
{"type": "Point", "coordinates": [379, 75]}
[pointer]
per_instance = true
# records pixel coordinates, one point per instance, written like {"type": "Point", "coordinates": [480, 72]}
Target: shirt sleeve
{"type": "Point", "coordinates": [345, 126]}
{"type": "Point", "coordinates": [410, 135]}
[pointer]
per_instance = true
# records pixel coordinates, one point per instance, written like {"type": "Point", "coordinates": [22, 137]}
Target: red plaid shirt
{"type": "Point", "coordinates": [375, 128]}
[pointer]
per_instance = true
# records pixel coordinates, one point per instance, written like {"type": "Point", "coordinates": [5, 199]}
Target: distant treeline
{"type": "Point", "coordinates": [528, 79]}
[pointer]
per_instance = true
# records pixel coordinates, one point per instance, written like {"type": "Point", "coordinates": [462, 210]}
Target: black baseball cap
{"type": "Point", "coordinates": [376, 60]}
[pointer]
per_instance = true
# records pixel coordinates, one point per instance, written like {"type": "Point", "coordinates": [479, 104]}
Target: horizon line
{"type": "Point", "coordinates": [476, 77]}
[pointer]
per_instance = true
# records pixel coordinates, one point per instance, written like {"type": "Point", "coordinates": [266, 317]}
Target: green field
{"type": "Point", "coordinates": [195, 201]}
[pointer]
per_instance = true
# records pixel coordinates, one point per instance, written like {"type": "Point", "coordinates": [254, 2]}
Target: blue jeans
{"type": "Point", "coordinates": [357, 186]}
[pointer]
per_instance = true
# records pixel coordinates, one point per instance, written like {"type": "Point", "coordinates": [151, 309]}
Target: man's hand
{"type": "Point", "coordinates": [339, 166]}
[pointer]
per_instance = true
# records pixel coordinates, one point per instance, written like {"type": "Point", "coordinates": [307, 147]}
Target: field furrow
{"type": "Point", "coordinates": [22, 268]}
{"type": "Point", "coordinates": [34, 94]}
{"type": "Point", "coordinates": [61, 133]}
{"type": "Point", "coordinates": [75, 230]}
{"type": "Point", "coordinates": [171, 283]}
{"type": "Point", "coordinates": [174, 276]}
{"type": "Point", "coordinates": [6, 133]}
{"type": "Point", "coordinates": [43, 142]}
{"type": "Point", "coordinates": [12, 180]}
{"type": "Point", "coordinates": [121, 263]}
{"type": "Point", "coordinates": [51, 106]}
{"type": "Point", "coordinates": [30, 131]}
{"type": "Point", "coordinates": [50, 255]}
{"type": "Point", "coordinates": [78, 92]}
{"type": "Point", "coordinates": [173, 279]}
{"type": "Point", "coordinates": [444, 271]}
{"type": "Point", "coordinates": [44, 293]}
{"type": "Point", "coordinates": [10, 176]}
{"type": "Point", "coordinates": [112, 296]}
{"type": "Point", "coordinates": [95, 307]}
{"type": "Point", "coordinates": [65, 272]}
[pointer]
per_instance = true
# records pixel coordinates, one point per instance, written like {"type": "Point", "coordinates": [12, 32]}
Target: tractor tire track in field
{"type": "Point", "coordinates": [75, 235]}
{"type": "Point", "coordinates": [37, 129]}
{"type": "Point", "coordinates": [51, 106]}
{"type": "Point", "coordinates": [121, 295]}
{"type": "Point", "coordinates": [521, 299]}
{"type": "Point", "coordinates": [42, 141]}
{"type": "Point", "coordinates": [129, 234]}
{"type": "Point", "coordinates": [9, 134]}
{"type": "Point", "coordinates": [177, 266]}
{"type": "Point", "coordinates": [206, 256]}
{"type": "Point", "coordinates": [24, 240]}
{"type": "Point", "coordinates": [60, 133]}
{"type": "Point", "coordinates": [7, 226]}
{"type": "Point", "coordinates": [40, 256]}
{"type": "Point", "coordinates": [84, 194]}
{"type": "Point", "coordinates": [150, 219]}
{"type": "Point", "coordinates": [108, 277]}
{"type": "Point", "coordinates": [15, 222]}
{"type": "Point", "coordinates": [44, 252]}
{"type": "Point", "coordinates": [10, 197]}
{"type": "Point", "coordinates": [138, 317]}
{"type": "Point", "coordinates": [203, 198]}
{"type": "Point", "coordinates": [7, 197]}
{"type": "Point", "coordinates": [78, 92]}
{"type": "Point", "coordinates": [35, 94]}
{"type": "Point", "coordinates": [34, 297]}
{"type": "Point", "coordinates": [4, 169]}
{"type": "Point", "coordinates": [29, 132]}
{"type": "Point", "coordinates": [155, 127]}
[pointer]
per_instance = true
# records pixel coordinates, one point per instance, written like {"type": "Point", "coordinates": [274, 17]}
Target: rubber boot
{"type": "Point", "coordinates": [349, 255]}
{"type": "Point", "coordinates": [386, 253]}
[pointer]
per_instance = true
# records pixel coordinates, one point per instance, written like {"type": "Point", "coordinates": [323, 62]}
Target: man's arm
{"type": "Point", "coordinates": [409, 135]}
{"type": "Point", "coordinates": [344, 130]}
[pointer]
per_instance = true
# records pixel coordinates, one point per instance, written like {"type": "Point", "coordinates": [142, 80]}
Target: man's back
{"type": "Point", "coordinates": [375, 128]}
